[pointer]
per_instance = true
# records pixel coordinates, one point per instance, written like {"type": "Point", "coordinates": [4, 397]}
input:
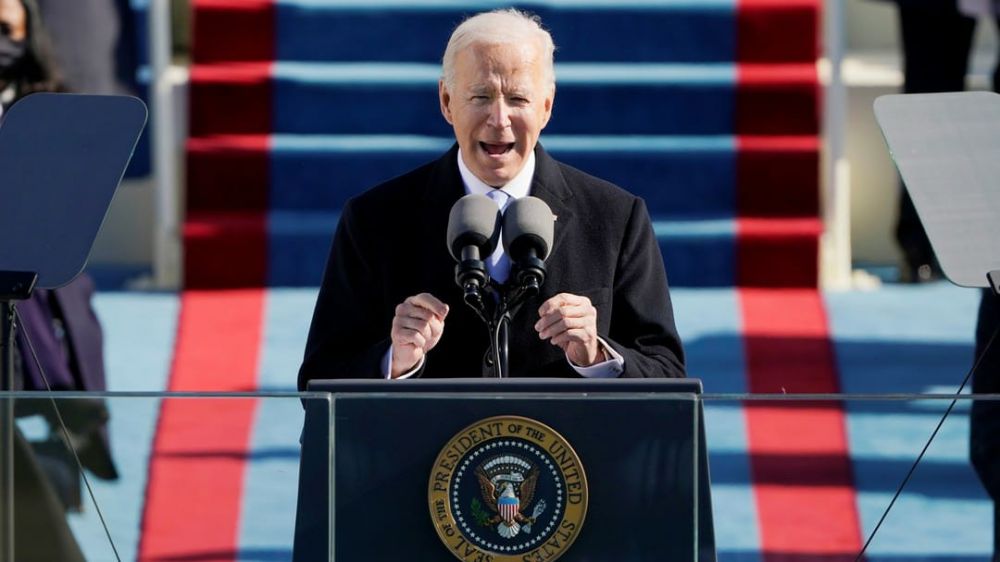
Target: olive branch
{"type": "Point", "coordinates": [478, 513]}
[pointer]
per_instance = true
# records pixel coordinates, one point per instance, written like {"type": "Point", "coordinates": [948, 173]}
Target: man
{"type": "Point", "coordinates": [389, 305]}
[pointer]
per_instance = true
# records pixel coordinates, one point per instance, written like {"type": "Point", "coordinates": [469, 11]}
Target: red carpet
{"type": "Point", "coordinates": [798, 455]}
{"type": "Point", "coordinates": [196, 474]}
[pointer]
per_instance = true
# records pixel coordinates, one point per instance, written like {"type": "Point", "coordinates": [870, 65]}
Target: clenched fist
{"type": "Point", "coordinates": [570, 322]}
{"type": "Point", "coordinates": [416, 329]}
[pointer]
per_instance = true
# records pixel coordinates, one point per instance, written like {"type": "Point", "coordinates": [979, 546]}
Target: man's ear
{"type": "Point", "coordinates": [445, 98]}
{"type": "Point", "coordinates": [547, 106]}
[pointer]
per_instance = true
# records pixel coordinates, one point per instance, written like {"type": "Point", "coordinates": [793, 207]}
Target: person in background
{"type": "Point", "coordinates": [25, 56]}
{"type": "Point", "coordinates": [93, 44]}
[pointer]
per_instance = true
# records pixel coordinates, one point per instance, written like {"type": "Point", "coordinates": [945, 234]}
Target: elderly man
{"type": "Point", "coordinates": [389, 305]}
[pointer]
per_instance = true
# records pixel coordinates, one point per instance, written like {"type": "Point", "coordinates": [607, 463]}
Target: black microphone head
{"type": "Point", "coordinates": [474, 221]}
{"type": "Point", "coordinates": [528, 224]}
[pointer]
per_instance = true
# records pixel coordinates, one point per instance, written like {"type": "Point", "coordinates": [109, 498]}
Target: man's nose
{"type": "Point", "coordinates": [499, 114]}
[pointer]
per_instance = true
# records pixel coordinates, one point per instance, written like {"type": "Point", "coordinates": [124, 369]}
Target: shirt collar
{"type": "Point", "coordinates": [518, 187]}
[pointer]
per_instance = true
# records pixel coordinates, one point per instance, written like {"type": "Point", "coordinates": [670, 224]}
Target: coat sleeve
{"type": "Point", "coordinates": [349, 335]}
{"type": "Point", "coordinates": [642, 325]}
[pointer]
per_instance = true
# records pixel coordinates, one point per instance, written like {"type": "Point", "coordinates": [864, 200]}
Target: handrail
{"type": "Point", "coordinates": [166, 234]}
{"type": "Point", "coordinates": [836, 202]}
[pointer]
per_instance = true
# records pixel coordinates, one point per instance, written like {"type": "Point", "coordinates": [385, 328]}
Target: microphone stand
{"type": "Point", "coordinates": [503, 304]}
{"type": "Point", "coordinates": [509, 302]}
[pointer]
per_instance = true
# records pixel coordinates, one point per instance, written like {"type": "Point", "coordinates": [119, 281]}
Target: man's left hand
{"type": "Point", "coordinates": [570, 322]}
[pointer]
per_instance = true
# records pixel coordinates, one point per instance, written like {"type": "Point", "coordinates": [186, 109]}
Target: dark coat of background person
{"type": "Point", "coordinates": [94, 44]}
{"type": "Point", "coordinates": [984, 420]}
{"type": "Point", "coordinates": [391, 244]}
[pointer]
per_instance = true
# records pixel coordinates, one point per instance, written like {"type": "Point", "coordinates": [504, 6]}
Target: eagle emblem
{"type": "Point", "coordinates": [507, 489]}
{"type": "Point", "coordinates": [507, 486]}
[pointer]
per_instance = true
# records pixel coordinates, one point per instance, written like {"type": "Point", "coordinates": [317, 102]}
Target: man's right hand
{"type": "Point", "coordinates": [416, 329]}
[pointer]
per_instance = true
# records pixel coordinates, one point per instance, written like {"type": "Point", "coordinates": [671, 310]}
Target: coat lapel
{"type": "Point", "coordinates": [550, 186]}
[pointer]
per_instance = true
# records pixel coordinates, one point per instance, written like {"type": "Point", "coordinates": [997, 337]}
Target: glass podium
{"type": "Point", "coordinates": [225, 477]}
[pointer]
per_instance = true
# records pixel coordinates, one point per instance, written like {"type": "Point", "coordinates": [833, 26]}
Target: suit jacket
{"type": "Point", "coordinates": [391, 244]}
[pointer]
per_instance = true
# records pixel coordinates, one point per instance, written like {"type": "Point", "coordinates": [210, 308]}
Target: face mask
{"type": "Point", "coordinates": [10, 52]}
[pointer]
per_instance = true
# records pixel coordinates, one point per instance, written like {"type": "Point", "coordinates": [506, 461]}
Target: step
{"type": "Point", "coordinates": [583, 30]}
{"type": "Point", "coordinates": [715, 251]}
{"type": "Point", "coordinates": [225, 250]}
{"type": "Point", "coordinates": [677, 176]}
{"type": "Point", "coordinates": [638, 99]}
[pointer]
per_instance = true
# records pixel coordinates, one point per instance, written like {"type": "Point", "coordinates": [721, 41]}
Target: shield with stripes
{"type": "Point", "coordinates": [508, 505]}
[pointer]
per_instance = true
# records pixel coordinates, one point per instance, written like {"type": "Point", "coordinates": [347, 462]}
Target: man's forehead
{"type": "Point", "coordinates": [503, 54]}
{"type": "Point", "coordinates": [489, 66]}
{"type": "Point", "coordinates": [494, 81]}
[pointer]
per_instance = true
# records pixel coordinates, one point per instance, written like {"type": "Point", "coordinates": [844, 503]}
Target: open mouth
{"type": "Point", "coordinates": [496, 149]}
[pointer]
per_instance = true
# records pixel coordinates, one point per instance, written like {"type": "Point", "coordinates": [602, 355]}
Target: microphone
{"type": "Point", "coordinates": [473, 233]}
{"type": "Point", "coordinates": [528, 226]}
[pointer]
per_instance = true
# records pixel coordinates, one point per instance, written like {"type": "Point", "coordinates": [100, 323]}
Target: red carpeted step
{"type": "Point", "coordinates": [778, 99]}
{"type": "Point", "coordinates": [224, 250]}
{"type": "Point", "coordinates": [232, 30]}
{"type": "Point", "coordinates": [777, 176]}
{"type": "Point", "coordinates": [761, 22]}
{"type": "Point", "coordinates": [230, 98]}
{"type": "Point", "coordinates": [778, 252]}
{"type": "Point", "coordinates": [228, 173]}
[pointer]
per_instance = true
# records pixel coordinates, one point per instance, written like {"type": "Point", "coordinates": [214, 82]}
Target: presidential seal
{"type": "Point", "coordinates": [508, 489]}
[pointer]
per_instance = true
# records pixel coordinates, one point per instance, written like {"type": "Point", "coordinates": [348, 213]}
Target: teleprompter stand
{"type": "Point", "coordinates": [62, 157]}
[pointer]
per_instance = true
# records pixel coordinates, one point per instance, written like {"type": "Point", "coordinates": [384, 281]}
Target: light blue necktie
{"type": "Point", "coordinates": [498, 264]}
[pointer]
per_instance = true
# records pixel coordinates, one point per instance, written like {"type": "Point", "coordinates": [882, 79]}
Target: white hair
{"type": "Point", "coordinates": [499, 27]}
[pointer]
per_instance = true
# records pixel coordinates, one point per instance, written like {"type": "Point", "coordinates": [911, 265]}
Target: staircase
{"type": "Point", "coordinates": [708, 109]}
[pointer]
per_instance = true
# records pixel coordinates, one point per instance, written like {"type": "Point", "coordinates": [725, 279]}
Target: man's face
{"type": "Point", "coordinates": [499, 104]}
